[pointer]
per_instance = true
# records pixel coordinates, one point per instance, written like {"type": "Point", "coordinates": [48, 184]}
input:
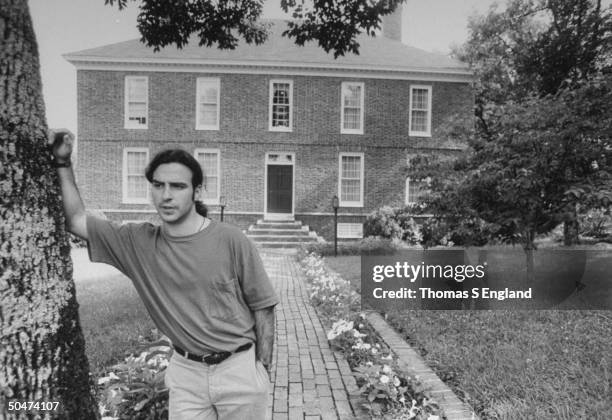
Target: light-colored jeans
{"type": "Point", "coordinates": [235, 389]}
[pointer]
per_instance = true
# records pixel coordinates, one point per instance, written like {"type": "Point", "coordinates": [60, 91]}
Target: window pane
{"type": "Point", "coordinates": [137, 90]}
{"type": "Point", "coordinates": [136, 163]}
{"type": "Point", "coordinates": [210, 187]}
{"type": "Point", "coordinates": [137, 112]}
{"type": "Point", "coordinates": [419, 121]}
{"type": "Point", "coordinates": [352, 96]}
{"type": "Point", "coordinates": [419, 99]}
{"type": "Point", "coordinates": [208, 114]}
{"type": "Point", "coordinates": [352, 118]}
{"type": "Point", "coordinates": [351, 167]}
{"type": "Point", "coordinates": [417, 191]}
{"type": "Point", "coordinates": [350, 190]}
{"type": "Point", "coordinates": [137, 187]}
{"type": "Point", "coordinates": [208, 94]}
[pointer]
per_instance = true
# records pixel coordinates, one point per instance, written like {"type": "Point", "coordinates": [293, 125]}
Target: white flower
{"type": "Point", "coordinates": [374, 350]}
{"type": "Point", "coordinates": [396, 381]}
{"type": "Point", "coordinates": [106, 379]}
{"type": "Point", "coordinates": [386, 369]}
{"type": "Point", "coordinates": [357, 334]}
{"type": "Point", "coordinates": [384, 379]}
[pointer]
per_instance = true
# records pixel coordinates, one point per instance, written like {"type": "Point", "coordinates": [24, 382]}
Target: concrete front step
{"type": "Point", "coordinates": [276, 238]}
{"type": "Point", "coordinates": [278, 225]}
{"type": "Point", "coordinates": [256, 231]}
{"type": "Point", "coordinates": [283, 244]}
{"type": "Point", "coordinates": [280, 234]}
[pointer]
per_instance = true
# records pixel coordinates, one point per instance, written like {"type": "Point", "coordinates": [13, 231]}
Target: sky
{"type": "Point", "coordinates": [65, 26]}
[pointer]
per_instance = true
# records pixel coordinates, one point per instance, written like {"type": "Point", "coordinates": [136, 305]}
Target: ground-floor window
{"type": "Point", "coordinates": [209, 160]}
{"type": "Point", "coordinates": [135, 185]}
{"type": "Point", "coordinates": [416, 191]}
{"type": "Point", "coordinates": [350, 183]}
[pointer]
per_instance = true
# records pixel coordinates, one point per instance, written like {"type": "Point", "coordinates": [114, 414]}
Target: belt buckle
{"type": "Point", "coordinates": [216, 358]}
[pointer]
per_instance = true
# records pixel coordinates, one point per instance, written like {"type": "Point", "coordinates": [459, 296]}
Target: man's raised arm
{"type": "Point", "coordinates": [61, 142]}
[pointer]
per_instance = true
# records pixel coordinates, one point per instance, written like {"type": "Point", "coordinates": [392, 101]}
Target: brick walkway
{"type": "Point", "coordinates": [310, 380]}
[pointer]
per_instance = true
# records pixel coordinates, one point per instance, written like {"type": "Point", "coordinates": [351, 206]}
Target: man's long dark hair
{"type": "Point", "coordinates": [184, 158]}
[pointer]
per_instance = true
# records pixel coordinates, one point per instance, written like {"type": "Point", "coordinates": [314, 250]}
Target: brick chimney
{"type": "Point", "coordinates": [392, 24]}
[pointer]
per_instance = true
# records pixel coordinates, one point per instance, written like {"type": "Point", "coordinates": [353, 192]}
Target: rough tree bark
{"type": "Point", "coordinates": [42, 350]}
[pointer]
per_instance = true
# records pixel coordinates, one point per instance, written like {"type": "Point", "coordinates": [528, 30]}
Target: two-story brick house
{"type": "Point", "coordinates": [279, 129]}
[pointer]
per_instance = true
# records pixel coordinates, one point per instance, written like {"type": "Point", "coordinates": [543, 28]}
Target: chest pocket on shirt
{"type": "Point", "coordinates": [225, 304]}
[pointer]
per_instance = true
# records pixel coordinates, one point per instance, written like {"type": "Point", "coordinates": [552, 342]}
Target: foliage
{"type": "Point", "coordinates": [135, 389]}
{"type": "Point", "coordinates": [534, 47]}
{"type": "Point", "coordinates": [392, 223]}
{"type": "Point", "coordinates": [549, 154]}
{"type": "Point", "coordinates": [365, 246]}
{"type": "Point", "coordinates": [543, 138]}
{"type": "Point", "coordinates": [335, 25]}
{"type": "Point", "coordinates": [596, 223]}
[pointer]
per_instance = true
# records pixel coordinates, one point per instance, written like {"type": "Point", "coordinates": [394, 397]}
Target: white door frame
{"type": "Point", "coordinates": [282, 158]}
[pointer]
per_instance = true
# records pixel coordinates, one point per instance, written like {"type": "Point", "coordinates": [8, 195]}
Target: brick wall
{"type": "Point", "coordinates": [244, 139]}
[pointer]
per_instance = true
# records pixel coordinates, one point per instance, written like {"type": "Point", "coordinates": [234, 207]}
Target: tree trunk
{"type": "Point", "coordinates": [42, 350]}
{"type": "Point", "coordinates": [529, 247]}
{"type": "Point", "coordinates": [571, 228]}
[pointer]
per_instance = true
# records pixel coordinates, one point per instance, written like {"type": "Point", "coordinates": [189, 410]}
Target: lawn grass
{"type": "Point", "coordinates": [513, 364]}
{"type": "Point", "coordinates": [112, 318]}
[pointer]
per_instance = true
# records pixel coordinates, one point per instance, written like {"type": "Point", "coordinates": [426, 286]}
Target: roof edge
{"type": "Point", "coordinates": [195, 65]}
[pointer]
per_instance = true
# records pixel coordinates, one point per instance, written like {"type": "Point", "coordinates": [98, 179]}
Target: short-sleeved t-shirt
{"type": "Point", "coordinates": [200, 289]}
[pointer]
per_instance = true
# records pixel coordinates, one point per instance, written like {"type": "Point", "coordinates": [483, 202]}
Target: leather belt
{"type": "Point", "coordinates": [213, 358]}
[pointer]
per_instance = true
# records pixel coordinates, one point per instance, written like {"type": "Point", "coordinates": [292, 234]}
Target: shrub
{"type": "Point", "coordinates": [466, 232]}
{"type": "Point", "coordinates": [135, 389]}
{"type": "Point", "coordinates": [366, 246]}
{"type": "Point", "coordinates": [434, 232]}
{"type": "Point", "coordinates": [392, 223]}
{"type": "Point", "coordinates": [383, 223]}
{"type": "Point", "coordinates": [595, 223]}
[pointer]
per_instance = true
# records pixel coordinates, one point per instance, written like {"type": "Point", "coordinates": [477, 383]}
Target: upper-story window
{"type": "Point", "coordinates": [135, 185]}
{"type": "Point", "coordinates": [207, 103]}
{"type": "Point", "coordinates": [136, 102]}
{"type": "Point", "coordinates": [209, 160]}
{"type": "Point", "coordinates": [352, 108]}
{"type": "Point", "coordinates": [281, 104]}
{"type": "Point", "coordinates": [350, 183]}
{"type": "Point", "coordinates": [420, 111]}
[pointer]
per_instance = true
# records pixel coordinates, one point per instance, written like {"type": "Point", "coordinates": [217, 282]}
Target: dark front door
{"type": "Point", "coordinates": [280, 188]}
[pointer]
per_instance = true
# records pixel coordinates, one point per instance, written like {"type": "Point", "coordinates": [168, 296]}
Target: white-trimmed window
{"type": "Point", "coordinates": [136, 102]}
{"type": "Point", "coordinates": [420, 111]}
{"type": "Point", "coordinates": [350, 230]}
{"type": "Point", "coordinates": [350, 183]}
{"type": "Point", "coordinates": [352, 108]}
{"type": "Point", "coordinates": [210, 160]}
{"type": "Point", "coordinates": [416, 190]}
{"type": "Point", "coordinates": [135, 185]}
{"type": "Point", "coordinates": [208, 91]}
{"type": "Point", "coordinates": [281, 105]}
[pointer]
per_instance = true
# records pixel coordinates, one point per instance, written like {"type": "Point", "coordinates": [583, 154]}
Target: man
{"type": "Point", "coordinates": [202, 282]}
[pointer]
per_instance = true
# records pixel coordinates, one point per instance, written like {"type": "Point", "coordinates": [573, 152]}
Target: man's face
{"type": "Point", "coordinates": [172, 192]}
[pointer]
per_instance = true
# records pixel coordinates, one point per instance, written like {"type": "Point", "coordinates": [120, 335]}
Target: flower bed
{"type": "Point", "coordinates": [135, 389]}
{"type": "Point", "coordinates": [389, 393]}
